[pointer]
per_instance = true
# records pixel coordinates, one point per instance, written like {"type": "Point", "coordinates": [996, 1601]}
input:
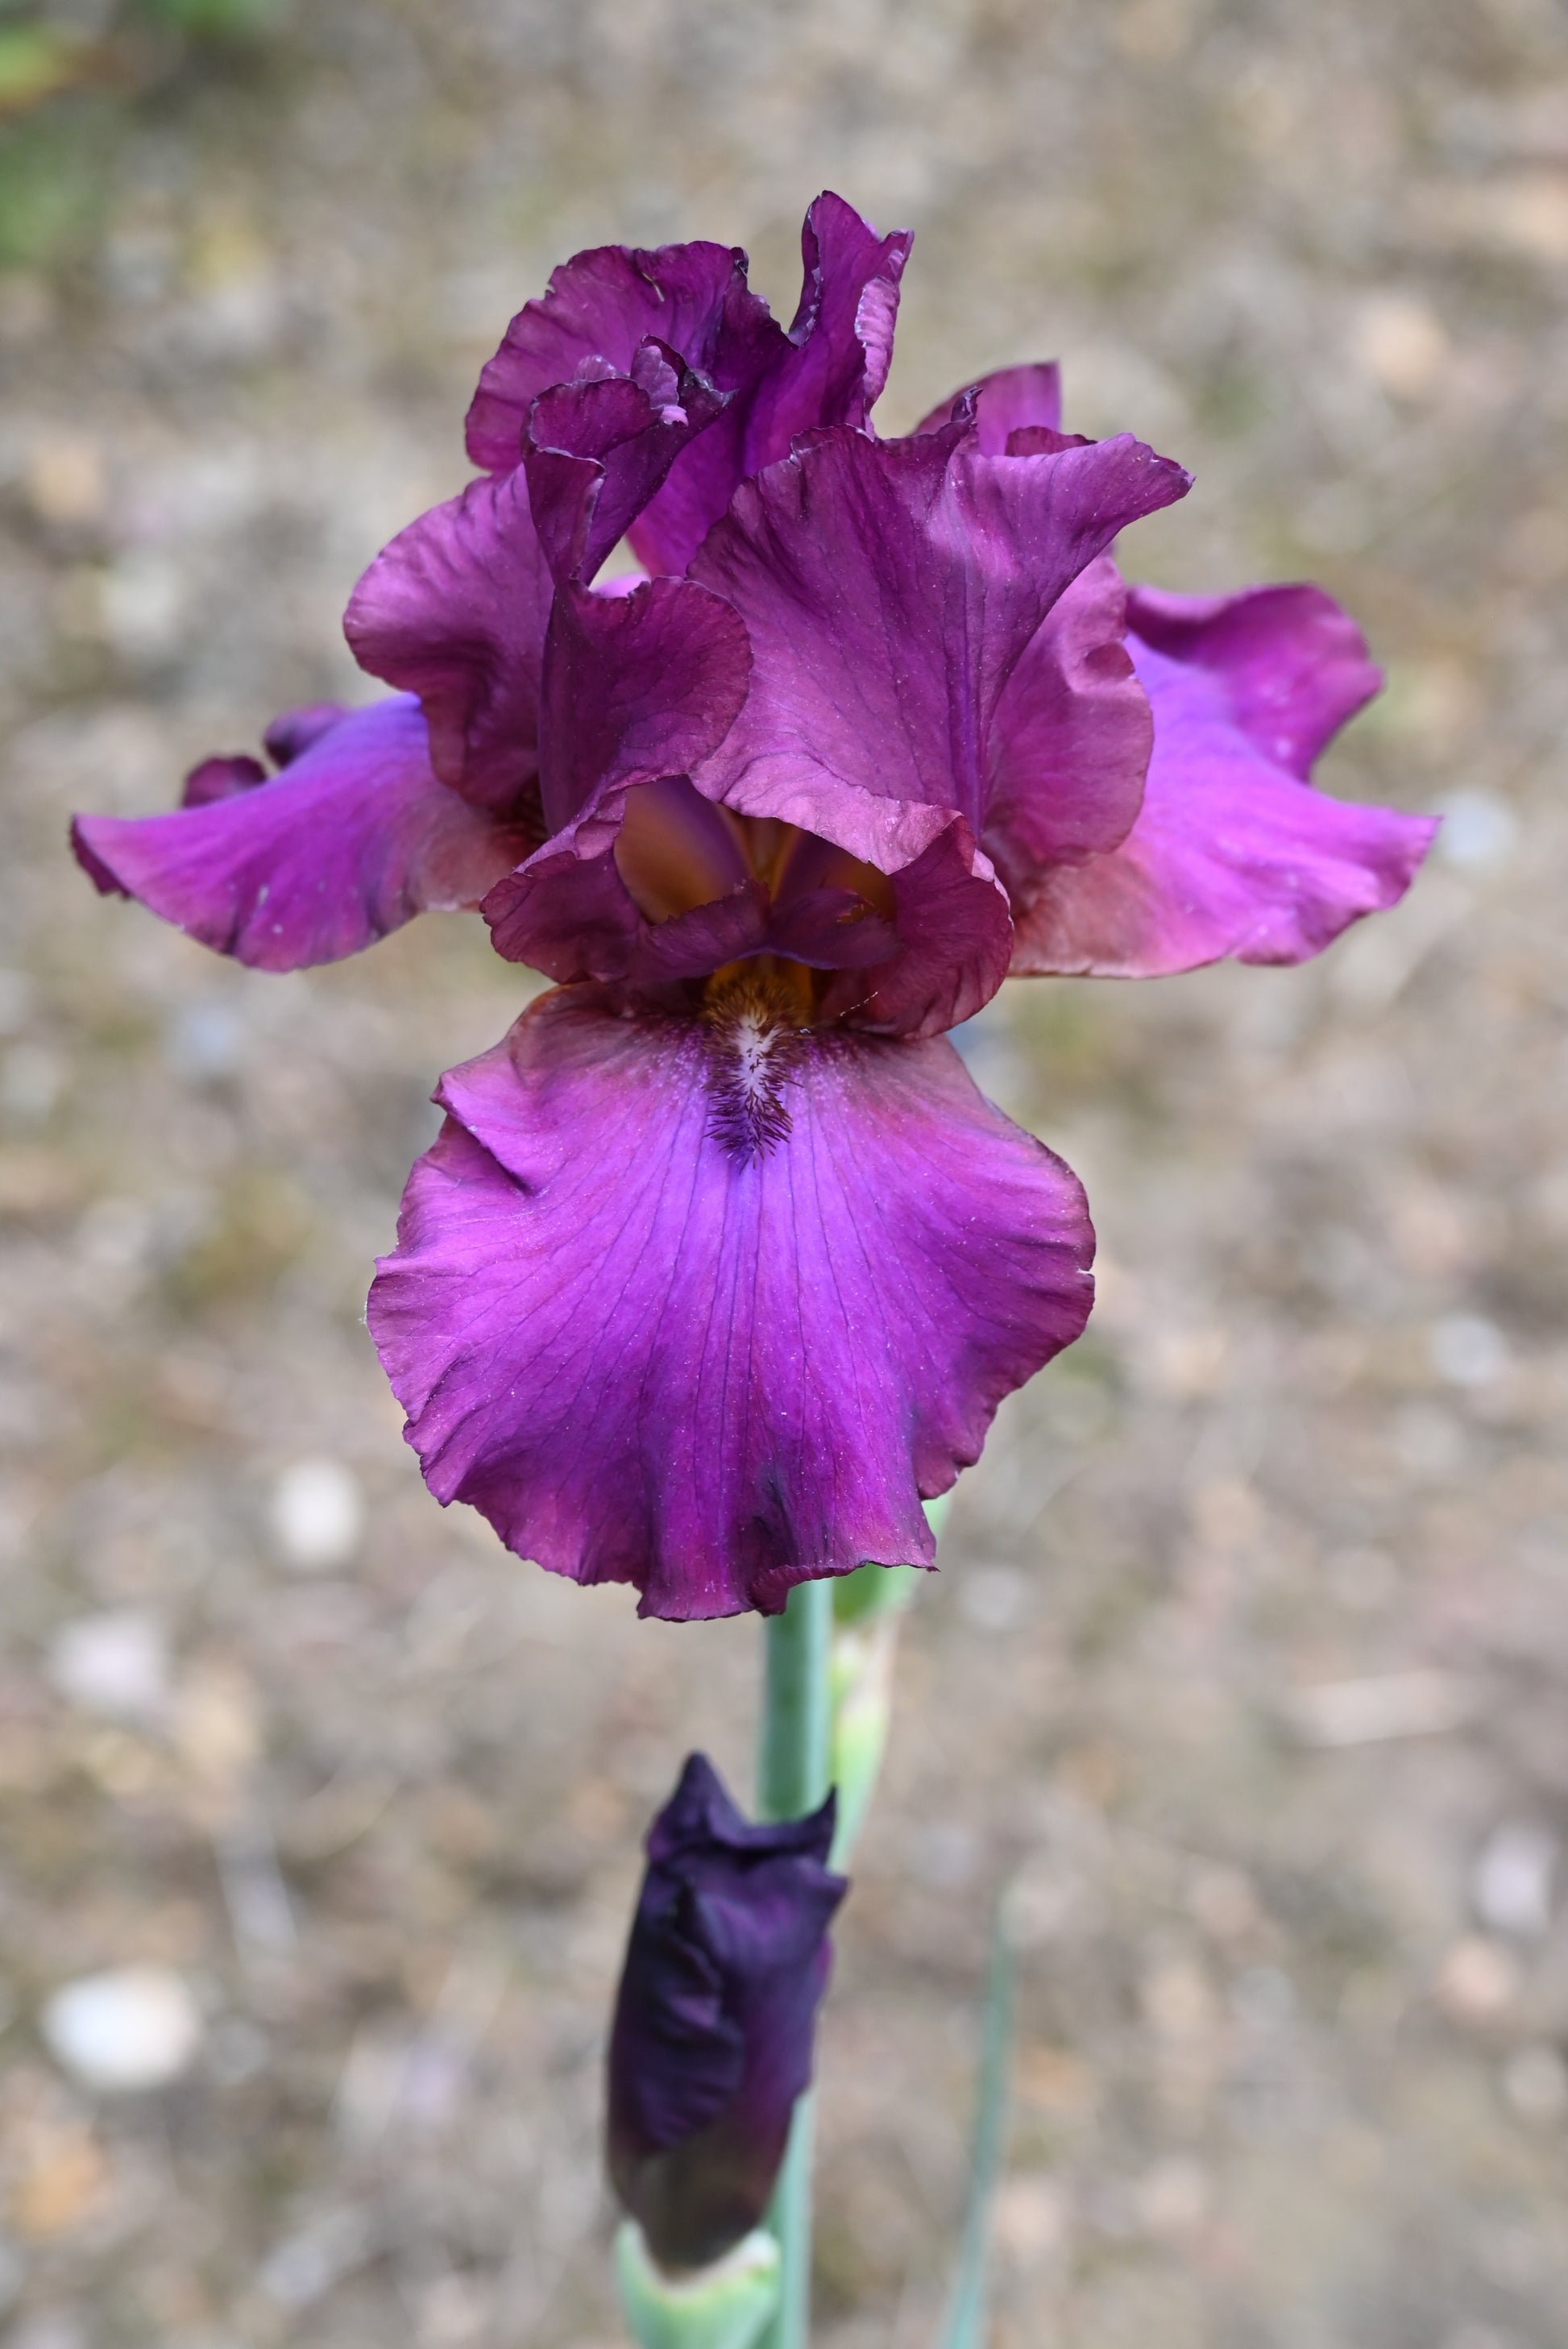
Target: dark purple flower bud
{"type": "Point", "coordinates": [712, 2042]}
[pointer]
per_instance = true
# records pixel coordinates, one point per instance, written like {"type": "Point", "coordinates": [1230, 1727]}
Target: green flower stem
{"type": "Point", "coordinates": [822, 1713]}
{"type": "Point", "coordinates": [792, 1769]}
{"type": "Point", "coordinates": [789, 2221]}
{"type": "Point", "coordinates": [792, 1779]}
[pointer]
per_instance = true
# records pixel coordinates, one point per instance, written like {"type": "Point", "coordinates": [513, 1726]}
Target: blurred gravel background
{"type": "Point", "coordinates": [1249, 1648]}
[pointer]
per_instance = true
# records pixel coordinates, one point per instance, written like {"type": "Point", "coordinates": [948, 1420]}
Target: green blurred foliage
{"type": "Point", "coordinates": [66, 99]}
{"type": "Point", "coordinates": [35, 62]}
{"type": "Point", "coordinates": [52, 180]}
{"type": "Point", "coordinates": [217, 19]}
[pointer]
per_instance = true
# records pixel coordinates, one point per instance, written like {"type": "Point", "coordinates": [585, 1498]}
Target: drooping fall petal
{"type": "Point", "coordinates": [710, 1305]}
{"type": "Point", "coordinates": [1233, 852]}
{"type": "Point", "coordinates": [354, 837]}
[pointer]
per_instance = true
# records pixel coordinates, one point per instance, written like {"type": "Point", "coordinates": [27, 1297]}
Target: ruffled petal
{"type": "Point", "coordinates": [1232, 853]}
{"type": "Point", "coordinates": [662, 1330]}
{"type": "Point", "coordinates": [603, 304]}
{"type": "Point", "coordinates": [458, 607]}
{"type": "Point", "coordinates": [695, 301]}
{"type": "Point", "coordinates": [354, 837]}
{"type": "Point", "coordinates": [596, 449]}
{"type": "Point", "coordinates": [1293, 665]}
{"type": "Point", "coordinates": [1071, 745]}
{"type": "Point", "coordinates": [455, 610]}
{"type": "Point", "coordinates": [1007, 401]}
{"type": "Point", "coordinates": [842, 336]}
{"type": "Point", "coordinates": [889, 589]}
{"type": "Point", "coordinates": [954, 939]}
{"type": "Point", "coordinates": [635, 687]}
{"type": "Point", "coordinates": [828, 371]}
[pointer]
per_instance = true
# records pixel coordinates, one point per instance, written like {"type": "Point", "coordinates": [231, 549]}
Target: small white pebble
{"type": "Point", "coordinates": [1467, 1351]}
{"type": "Point", "coordinates": [116, 1663]}
{"type": "Point", "coordinates": [1420, 1704]}
{"type": "Point", "coordinates": [1478, 831]}
{"type": "Point", "coordinates": [1512, 1882]}
{"type": "Point", "coordinates": [138, 2027]}
{"type": "Point", "coordinates": [317, 1514]}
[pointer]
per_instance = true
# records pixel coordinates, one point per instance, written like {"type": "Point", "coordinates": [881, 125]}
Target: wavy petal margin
{"type": "Point", "coordinates": [649, 1355]}
{"type": "Point", "coordinates": [351, 840]}
{"type": "Point", "coordinates": [1233, 853]}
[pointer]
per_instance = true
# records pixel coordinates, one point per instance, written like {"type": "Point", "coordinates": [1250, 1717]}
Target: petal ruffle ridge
{"type": "Point", "coordinates": [649, 1355]}
{"type": "Point", "coordinates": [1071, 742]}
{"type": "Point", "coordinates": [1233, 853]}
{"type": "Point", "coordinates": [455, 609]}
{"type": "Point", "coordinates": [1010, 401]}
{"type": "Point", "coordinates": [841, 342]}
{"type": "Point", "coordinates": [351, 840]}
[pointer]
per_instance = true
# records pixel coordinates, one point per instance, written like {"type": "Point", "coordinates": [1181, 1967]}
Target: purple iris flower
{"type": "Point", "coordinates": [720, 1265]}
{"type": "Point", "coordinates": [725, 1967]}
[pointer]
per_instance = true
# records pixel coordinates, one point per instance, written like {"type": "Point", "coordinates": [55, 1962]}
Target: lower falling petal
{"type": "Point", "coordinates": [708, 1308]}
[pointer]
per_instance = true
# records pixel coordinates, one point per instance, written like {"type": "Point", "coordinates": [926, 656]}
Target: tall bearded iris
{"type": "Point", "coordinates": [720, 1264]}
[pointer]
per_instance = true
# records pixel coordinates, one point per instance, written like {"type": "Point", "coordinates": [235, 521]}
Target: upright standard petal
{"type": "Point", "coordinates": [841, 335]}
{"type": "Point", "coordinates": [710, 1305]}
{"type": "Point", "coordinates": [354, 837]}
{"type": "Point", "coordinates": [604, 303]}
{"type": "Point", "coordinates": [725, 1966]}
{"type": "Point", "coordinates": [458, 608]}
{"type": "Point", "coordinates": [889, 589]}
{"type": "Point", "coordinates": [694, 300]}
{"type": "Point", "coordinates": [828, 369]}
{"type": "Point", "coordinates": [1232, 853]}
